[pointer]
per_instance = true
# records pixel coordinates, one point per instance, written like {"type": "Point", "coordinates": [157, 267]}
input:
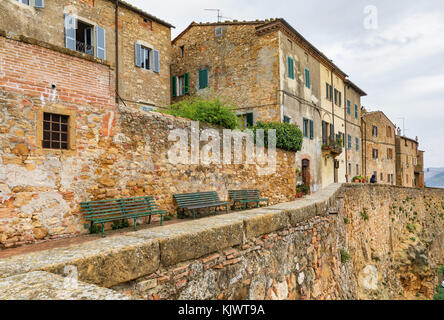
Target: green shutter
{"type": "Point", "coordinates": [311, 129]}
{"type": "Point", "coordinates": [203, 79]}
{"type": "Point", "coordinates": [307, 78]}
{"type": "Point", "coordinates": [186, 80]}
{"type": "Point", "coordinates": [250, 121]}
{"type": "Point", "coordinates": [173, 86]}
{"type": "Point", "coordinates": [356, 111]}
{"type": "Point", "coordinates": [332, 132]}
{"type": "Point", "coordinates": [290, 67]}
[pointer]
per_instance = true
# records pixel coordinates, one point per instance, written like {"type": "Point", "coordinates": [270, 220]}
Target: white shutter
{"type": "Point", "coordinates": [156, 65]}
{"type": "Point", "coordinates": [70, 32]}
{"type": "Point", "coordinates": [101, 43]}
{"type": "Point", "coordinates": [138, 49]}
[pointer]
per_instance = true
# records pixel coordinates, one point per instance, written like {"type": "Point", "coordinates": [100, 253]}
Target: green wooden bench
{"type": "Point", "coordinates": [247, 196]}
{"type": "Point", "coordinates": [196, 201]}
{"type": "Point", "coordinates": [101, 212]}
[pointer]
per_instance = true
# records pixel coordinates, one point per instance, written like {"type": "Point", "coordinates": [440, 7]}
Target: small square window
{"type": "Point", "coordinates": [55, 131]}
{"type": "Point", "coordinates": [218, 31]}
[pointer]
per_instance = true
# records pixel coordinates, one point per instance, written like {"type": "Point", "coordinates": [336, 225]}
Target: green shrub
{"type": "Point", "coordinates": [288, 136]}
{"type": "Point", "coordinates": [212, 111]}
{"type": "Point", "coordinates": [439, 293]}
{"type": "Point", "coordinates": [364, 215]}
{"type": "Point", "coordinates": [95, 229]}
{"type": "Point", "coordinates": [303, 188]}
{"type": "Point", "coordinates": [121, 224]}
{"type": "Point", "coordinates": [346, 221]}
{"type": "Point", "coordinates": [411, 227]}
{"type": "Point", "coordinates": [345, 256]}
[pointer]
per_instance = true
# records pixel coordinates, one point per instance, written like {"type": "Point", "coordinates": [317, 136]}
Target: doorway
{"type": "Point", "coordinates": [306, 177]}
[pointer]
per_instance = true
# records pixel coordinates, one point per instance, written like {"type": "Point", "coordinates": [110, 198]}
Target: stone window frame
{"type": "Point", "coordinates": [61, 110]}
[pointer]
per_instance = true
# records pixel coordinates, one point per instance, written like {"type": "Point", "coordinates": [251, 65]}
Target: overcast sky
{"type": "Point", "coordinates": [400, 64]}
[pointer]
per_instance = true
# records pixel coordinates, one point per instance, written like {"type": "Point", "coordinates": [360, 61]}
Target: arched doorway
{"type": "Point", "coordinates": [306, 177]}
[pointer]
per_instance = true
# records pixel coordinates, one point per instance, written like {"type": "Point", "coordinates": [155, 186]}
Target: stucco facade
{"type": "Point", "coordinates": [409, 163]}
{"type": "Point", "coordinates": [93, 33]}
{"type": "Point", "coordinates": [379, 154]}
{"type": "Point", "coordinates": [268, 70]}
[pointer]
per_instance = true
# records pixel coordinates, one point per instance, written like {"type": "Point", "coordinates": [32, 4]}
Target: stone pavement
{"type": "Point", "coordinates": [114, 260]}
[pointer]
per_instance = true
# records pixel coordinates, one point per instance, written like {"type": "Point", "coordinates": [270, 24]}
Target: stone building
{"type": "Point", "coordinates": [270, 72]}
{"type": "Point", "coordinates": [409, 162]}
{"type": "Point", "coordinates": [379, 147]}
{"type": "Point", "coordinates": [141, 58]}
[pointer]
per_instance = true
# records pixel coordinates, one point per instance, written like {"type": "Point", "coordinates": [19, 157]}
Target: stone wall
{"type": "Point", "coordinates": [113, 151]}
{"type": "Point", "coordinates": [349, 242]}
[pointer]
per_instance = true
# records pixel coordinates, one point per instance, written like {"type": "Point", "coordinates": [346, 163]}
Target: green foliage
{"type": "Point", "coordinates": [346, 221]}
{"type": "Point", "coordinates": [439, 293]}
{"type": "Point", "coordinates": [95, 229]}
{"type": "Point", "coordinates": [212, 111]}
{"type": "Point", "coordinates": [303, 188]}
{"type": "Point", "coordinates": [345, 256]}
{"type": "Point", "coordinates": [365, 215]}
{"type": "Point", "coordinates": [288, 136]}
{"type": "Point", "coordinates": [411, 227]}
{"type": "Point", "coordinates": [167, 217]}
{"type": "Point", "coordinates": [121, 224]}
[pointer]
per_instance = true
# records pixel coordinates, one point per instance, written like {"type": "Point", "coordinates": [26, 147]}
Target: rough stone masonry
{"type": "Point", "coordinates": [349, 242]}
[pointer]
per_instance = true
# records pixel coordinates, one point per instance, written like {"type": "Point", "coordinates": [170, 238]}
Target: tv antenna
{"type": "Point", "coordinates": [219, 15]}
{"type": "Point", "coordinates": [403, 126]}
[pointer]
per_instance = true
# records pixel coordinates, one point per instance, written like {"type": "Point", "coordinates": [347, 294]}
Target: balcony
{"type": "Point", "coordinates": [332, 148]}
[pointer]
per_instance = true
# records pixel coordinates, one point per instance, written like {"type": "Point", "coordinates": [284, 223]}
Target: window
{"type": "Point", "coordinates": [290, 63]}
{"type": "Point", "coordinates": [357, 143]}
{"type": "Point", "coordinates": [147, 58]}
{"type": "Point", "coordinates": [349, 138]}
{"type": "Point", "coordinates": [356, 111]}
{"type": "Point", "coordinates": [329, 92]}
{"type": "Point", "coordinates": [305, 127]}
{"type": "Point", "coordinates": [340, 98]}
{"type": "Point", "coordinates": [218, 31]}
{"type": "Point", "coordinates": [55, 131]}
{"type": "Point", "coordinates": [203, 79]}
{"type": "Point", "coordinates": [37, 3]}
{"type": "Point", "coordinates": [388, 179]}
{"type": "Point", "coordinates": [375, 154]}
{"type": "Point", "coordinates": [182, 51]}
{"type": "Point", "coordinates": [357, 169]}
{"type": "Point", "coordinates": [348, 107]}
{"type": "Point", "coordinates": [79, 36]}
{"type": "Point", "coordinates": [389, 132]}
{"type": "Point", "coordinates": [382, 177]}
{"type": "Point", "coordinates": [307, 78]}
{"type": "Point", "coordinates": [287, 119]}
{"type": "Point", "coordinates": [336, 96]}
{"type": "Point", "coordinates": [180, 85]}
{"type": "Point", "coordinates": [389, 153]}
{"type": "Point", "coordinates": [375, 131]}
{"type": "Point", "coordinates": [246, 120]}
{"type": "Point", "coordinates": [311, 129]}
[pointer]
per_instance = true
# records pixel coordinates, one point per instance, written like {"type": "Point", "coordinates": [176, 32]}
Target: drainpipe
{"type": "Point", "coordinates": [364, 145]}
{"type": "Point", "coordinates": [117, 50]}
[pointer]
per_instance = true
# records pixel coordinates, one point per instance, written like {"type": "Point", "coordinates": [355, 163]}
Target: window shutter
{"type": "Point", "coordinates": [331, 93]}
{"type": "Point", "coordinates": [332, 131]}
{"type": "Point", "coordinates": [304, 127]}
{"type": "Point", "coordinates": [307, 78]}
{"type": "Point", "coordinates": [356, 111]}
{"type": "Point", "coordinates": [101, 43]}
{"type": "Point", "coordinates": [39, 3]}
{"type": "Point", "coordinates": [203, 79]}
{"type": "Point", "coordinates": [290, 68]}
{"type": "Point", "coordinates": [156, 65]}
{"type": "Point", "coordinates": [174, 86]}
{"type": "Point", "coordinates": [340, 98]}
{"type": "Point", "coordinates": [326, 90]}
{"type": "Point", "coordinates": [186, 80]}
{"type": "Point", "coordinates": [70, 32]}
{"type": "Point", "coordinates": [311, 129]}
{"type": "Point", "coordinates": [249, 119]}
{"type": "Point", "coordinates": [138, 51]}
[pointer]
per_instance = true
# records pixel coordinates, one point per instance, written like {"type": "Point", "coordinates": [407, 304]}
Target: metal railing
{"type": "Point", "coordinates": [85, 48]}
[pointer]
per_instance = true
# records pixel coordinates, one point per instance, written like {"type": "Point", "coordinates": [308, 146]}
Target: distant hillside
{"type": "Point", "coordinates": [434, 177]}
